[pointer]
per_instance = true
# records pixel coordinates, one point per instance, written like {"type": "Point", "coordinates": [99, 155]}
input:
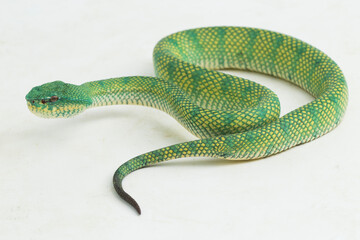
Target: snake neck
{"type": "Point", "coordinates": [145, 91]}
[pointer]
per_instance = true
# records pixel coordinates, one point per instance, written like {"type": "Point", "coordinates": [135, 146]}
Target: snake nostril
{"type": "Point", "coordinates": [43, 101]}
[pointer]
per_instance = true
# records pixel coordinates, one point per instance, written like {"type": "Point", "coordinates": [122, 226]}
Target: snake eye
{"type": "Point", "coordinates": [54, 98]}
{"type": "Point", "coordinates": [43, 101]}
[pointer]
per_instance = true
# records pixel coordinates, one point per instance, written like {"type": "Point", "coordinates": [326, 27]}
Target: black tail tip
{"type": "Point", "coordinates": [127, 198]}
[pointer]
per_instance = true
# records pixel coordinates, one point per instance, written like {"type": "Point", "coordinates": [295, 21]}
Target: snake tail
{"type": "Point", "coordinates": [187, 149]}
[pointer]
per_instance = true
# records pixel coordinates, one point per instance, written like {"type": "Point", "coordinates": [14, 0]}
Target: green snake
{"type": "Point", "coordinates": [234, 118]}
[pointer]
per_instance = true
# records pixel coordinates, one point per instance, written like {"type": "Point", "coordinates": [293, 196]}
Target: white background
{"type": "Point", "coordinates": [56, 175]}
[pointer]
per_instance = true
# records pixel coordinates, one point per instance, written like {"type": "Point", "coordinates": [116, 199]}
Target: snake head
{"type": "Point", "coordinates": [57, 100]}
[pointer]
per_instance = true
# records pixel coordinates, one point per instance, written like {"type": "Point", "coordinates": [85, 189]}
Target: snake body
{"type": "Point", "coordinates": [234, 118]}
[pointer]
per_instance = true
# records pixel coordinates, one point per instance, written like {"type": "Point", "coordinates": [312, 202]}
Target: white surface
{"type": "Point", "coordinates": [56, 175]}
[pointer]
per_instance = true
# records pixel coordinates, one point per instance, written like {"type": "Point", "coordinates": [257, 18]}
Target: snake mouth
{"type": "Point", "coordinates": [40, 108]}
{"type": "Point", "coordinates": [35, 109]}
{"type": "Point", "coordinates": [46, 109]}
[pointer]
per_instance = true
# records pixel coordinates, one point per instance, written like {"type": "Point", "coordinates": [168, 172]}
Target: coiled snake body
{"type": "Point", "coordinates": [233, 117]}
